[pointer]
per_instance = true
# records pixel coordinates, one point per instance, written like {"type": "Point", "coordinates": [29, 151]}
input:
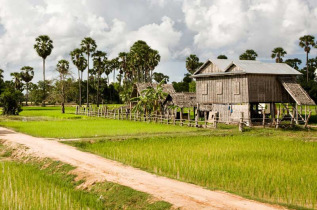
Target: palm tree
{"type": "Point", "coordinates": [307, 42]}
{"type": "Point", "coordinates": [88, 46]}
{"type": "Point", "coordinates": [107, 70]}
{"type": "Point", "coordinates": [114, 65]}
{"type": "Point", "coordinates": [294, 63]}
{"type": "Point", "coordinates": [248, 55]}
{"type": "Point", "coordinates": [18, 85]}
{"type": "Point", "coordinates": [27, 75]}
{"type": "Point", "coordinates": [222, 57]}
{"type": "Point", "coordinates": [1, 74]}
{"type": "Point", "coordinates": [81, 63]}
{"type": "Point", "coordinates": [43, 47]}
{"type": "Point", "coordinates": [192, 63]}
{"type": "Point", "coordinates": [63, 69]}
{"type": "Point", "coordinates": [278, 53]}
{"type": "Point", "coordinates": [99, 58]}
{"type": "Point", "coordinates": [154, 59]}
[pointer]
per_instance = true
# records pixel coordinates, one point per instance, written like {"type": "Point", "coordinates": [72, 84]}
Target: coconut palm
{"type": "Point", "coordinates": [307, 42]}
{"type": "Point", "coordinates": [192, 63]}
{"type": "Point", "coordinates": [248, 55]}
{"type": "Point", "coordinates": [278, 53]}
{"type": "Point", "coordinates": [43, 47]}
{"type": "Point", "coordinates": [81, 63]}
{"type": "Point", "coordinates": [63, 70]}
{"type": "Point", "coordinates": [88, 46]}
{"type": "Point", "coordinates": [99, 59]}
{"type": "Point", "coordinates": [27, 75]}
{"type": "Point", "coordinates": [294, 63]}
{"type": "Point", "coordinates": [222, 57]}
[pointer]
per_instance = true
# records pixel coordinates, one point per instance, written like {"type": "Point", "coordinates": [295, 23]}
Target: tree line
{"type": "Point", "coordinates": [136, 65]}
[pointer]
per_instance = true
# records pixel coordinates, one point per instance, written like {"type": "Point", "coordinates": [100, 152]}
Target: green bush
{"type": "Point", "coordinates": [10, 100]}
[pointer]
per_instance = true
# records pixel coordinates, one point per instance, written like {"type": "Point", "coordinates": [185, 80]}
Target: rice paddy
{"type": "Point", "coordinates": [47, 185]}
{"type": "Point", "coordinates": [276, 168]}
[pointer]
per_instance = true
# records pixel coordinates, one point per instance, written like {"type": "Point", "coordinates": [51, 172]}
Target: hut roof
{"type": "Point", "coordinates": [167, 88]}
{"type": "Point", "coordinates": [247, 67]}
{"type": "Point", "coordinates": [184, 99]}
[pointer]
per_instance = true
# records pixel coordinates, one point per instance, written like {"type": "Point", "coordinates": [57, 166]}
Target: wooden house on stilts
{"type": "Point", "coordinates": [249, 88]}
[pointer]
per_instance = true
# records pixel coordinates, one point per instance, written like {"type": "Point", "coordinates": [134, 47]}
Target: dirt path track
{"type": "Point", "coordinates": [96, 168]}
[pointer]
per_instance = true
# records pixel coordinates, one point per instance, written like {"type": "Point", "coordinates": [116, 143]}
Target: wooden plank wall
{"type": "Point", "coordinates": [228, 89]}
{"type": "Point", "coordinates": [210, 68]}
{"type": "Point", "coordinates": [226, 115]}
{"type": "Point", "coordinates": [266, 88]}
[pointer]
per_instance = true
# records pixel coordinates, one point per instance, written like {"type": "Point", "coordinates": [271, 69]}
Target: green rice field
{"type": "Point", "coordinates": [47, 185]}
{"type": "Point", "coordinates": [272, 168]}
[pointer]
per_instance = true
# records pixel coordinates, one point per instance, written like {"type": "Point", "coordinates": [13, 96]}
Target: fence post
{"type": "Point", "coordinates": [263, 115]}
{"type": "Point", "coordinates": [278, 120]}
{"type": "Point", "coordinates": [293, 119]}
{"type": "Point", "coordinates": [197, 116]}
{"type": "Point", "coordinates": [130, 111]}
{"type": "Point", "coordinates": [161, 117]}
{"type": "Point", "coordinates": [181, 116]}
{"type": "Point", "coordinates": [174, 116]}
{"type": "Point", "coordinates": [188, 117]}
{"type": "Point", "coordinates": [216, 120]}
{"type": "Point", "coordinates": [205, 118]}
{"type": "Point", "coordinates": [241, 122]}
{"type": "Point", "coordinates": [307, 119]}
{"type": "Point", "coordinates": [168, 116]}
{"type": "Point", "coordinates": [114, 114]}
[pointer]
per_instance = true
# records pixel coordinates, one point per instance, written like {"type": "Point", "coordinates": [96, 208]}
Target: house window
{"type": "Point", "coordinates": [219, 88]}
{"type": "Point", "coordinates": [236, 88]}
{"type": "Point", "coordinates": [205, 89]}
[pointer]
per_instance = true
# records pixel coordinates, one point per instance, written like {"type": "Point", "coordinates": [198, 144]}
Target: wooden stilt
{"type": "Point", "coordinates": [241, 122]}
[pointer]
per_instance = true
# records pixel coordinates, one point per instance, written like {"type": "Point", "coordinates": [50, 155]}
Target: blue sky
{"type": "Point", "coordinates": [175, 28]}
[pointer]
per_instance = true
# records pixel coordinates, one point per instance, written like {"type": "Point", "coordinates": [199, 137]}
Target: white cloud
{"type": "Point", "coordinates": [260, 24]}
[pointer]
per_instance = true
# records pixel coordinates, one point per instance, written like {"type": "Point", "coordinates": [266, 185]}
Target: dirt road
{"type": "Point", "coordinates": [94, 168]}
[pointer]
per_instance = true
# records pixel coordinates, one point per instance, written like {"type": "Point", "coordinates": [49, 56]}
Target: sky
{"type": "Point", "coordinates": [176, 28]}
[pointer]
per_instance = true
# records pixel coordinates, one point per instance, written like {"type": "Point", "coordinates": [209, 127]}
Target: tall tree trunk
{"type": "Point", "coordinates": [79, 88]}
{"type": "Point", "coordinates": [114, 75]}
{"type": "Point", "coordinates": [307, 66]}
{"type": "Point", "coordinates": [27, 94]}
{"type": "Point", "coordinates": [88, 83]}
{"type": "Point", "coordinates": [44, 93]}
{"type": "Point", "coordinates": [98, 88]}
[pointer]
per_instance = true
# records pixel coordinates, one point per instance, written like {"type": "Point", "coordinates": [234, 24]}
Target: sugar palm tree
{"type": "Point", "coordinates": [81, 63]}
{"type": "Point", "coordinates": [27, 75]}
{"type": "Point", "coordinates": [222, 57]}
{"type": "Point", "coordinates": [63, 70]}
{"type": "Point", "coordinates": [154, 59]}
{"type": "Point", "coordinates": [248, 55]}
{"type": "Point", "coordinates": [88, 46]}
{"type": "Point", "coordinates": [1, 74]}
{"type": "Point", "coordinates": [307, 42]}
{"type": "Point", "coordinates": [278, 53]}
{"type": "Point", "coordinates": [114, 65]}
{"type": "Point", "coordinates": [294, 63]}
{"type": "Point", "coordinates": [18, 85]}
{"type": "Point", "coordinates": [99, 58]}
{"type": "Point", "coordinates": [192, 63]}
{"type": "Point", "coordinates": [43, 47]}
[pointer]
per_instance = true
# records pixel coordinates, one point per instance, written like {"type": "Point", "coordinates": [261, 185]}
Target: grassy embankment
{"type": "Point", "coordinates": [48, 185]}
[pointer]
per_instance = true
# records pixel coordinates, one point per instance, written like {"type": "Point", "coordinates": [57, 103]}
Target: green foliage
{"type": "Point", "coordinates": [278, 53]}
{"type": "Point", "coordinates": [150, 100]}
{"type": "Point", "coordinates": [248, 55]}
{"type": "Point", "coordinates": [270, 166]}
{"type": "Point", "coordinates": [187, 85]}
{"type": "Point", "coordinates": [192, 63]}
{"type": "Point", "coordinates": [159, 77]}
{"type": "Point", "coordinates": [222, 57]}
{"type": "Point", "coordinates": [43, 46]}
{"type": "Point", "coordinates": [10, 100]}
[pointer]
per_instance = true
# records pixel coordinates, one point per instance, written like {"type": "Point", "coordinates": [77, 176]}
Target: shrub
{"type": "Point", "coordinates": [10, 100]}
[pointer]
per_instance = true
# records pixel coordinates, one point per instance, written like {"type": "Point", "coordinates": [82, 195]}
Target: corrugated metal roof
{"type": "Point", "coordinates": [249, 67]}
{"type": "Point", "coordinates": [257, 67]}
